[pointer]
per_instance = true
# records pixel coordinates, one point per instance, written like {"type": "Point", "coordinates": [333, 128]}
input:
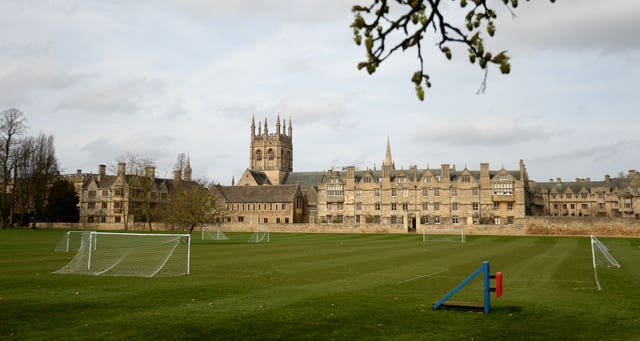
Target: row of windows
{"type": "Point", "coordinates": [598, 195]}
{"type": "Point", "coordinates": [424, 220]}
{"type": "Point", "coordinates": [429, 179]}
{"type": "Point", "coordinates": [257, 207]}
{"type": "Point", "coordinates": [104, 205]}
{"type": "Point", "coordinates": [425, 206]}
{"type": "Point", "coordinates": [278, 220]}
{"type": "Point", "coordinates": [118, 193]}
{"type": "Point", "coordinates": [405, 192]}
{"type": "Point", "coordinates": [102, 219]}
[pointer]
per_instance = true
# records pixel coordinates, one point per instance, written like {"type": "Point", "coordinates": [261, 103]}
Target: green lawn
{"type": "Point", "coordinates": [326, 286]}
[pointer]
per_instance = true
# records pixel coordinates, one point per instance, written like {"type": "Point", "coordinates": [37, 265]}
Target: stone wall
{"type": "Point", "coordinates": [600, 226]}
{"type": "Point", "coordinates": [532, 226]}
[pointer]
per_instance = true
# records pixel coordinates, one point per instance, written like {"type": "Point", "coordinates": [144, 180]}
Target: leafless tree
{"type": "Point", "coordinates": [194, 204]}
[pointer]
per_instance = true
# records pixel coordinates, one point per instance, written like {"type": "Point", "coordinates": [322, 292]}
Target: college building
{"type": "Point", "coordinates": [271, 192]}
{"type": "Point", "coordinates": [410, 197]}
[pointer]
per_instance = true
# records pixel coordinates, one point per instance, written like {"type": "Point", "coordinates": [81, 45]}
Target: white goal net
{"type": "Point", "coordinates": [443, 235]}
{"type": "Point", "coordinates": [260, 236]}
{"type": "Point", "coordinates": [131, 254]}
{"type": "Point", "coordinates": [70, 241]}
{"type": "Point", "coordinates": [213, 233]}
{"type": "Point", "coordinates": [601, 257]}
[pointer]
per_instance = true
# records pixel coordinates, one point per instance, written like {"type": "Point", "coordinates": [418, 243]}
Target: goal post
{"type": "Point", "coordinates": [131, 254]}
{"type": "Point", "coordinates": [601, 256]}
{"type": "Point", "coordinates": [260, 236]}
{"type": "Point", "coordinates": [443, 234]}
{"type": "Point", "coordinates": [70, 241]}
{"type": "Point", "coordinates": [213, 233]}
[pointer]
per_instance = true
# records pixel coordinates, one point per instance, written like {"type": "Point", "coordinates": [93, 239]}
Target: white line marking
{"type": "Point", "coordinates": [428, 275]}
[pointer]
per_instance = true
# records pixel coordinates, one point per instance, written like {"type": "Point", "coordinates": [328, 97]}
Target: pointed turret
{"type": "Point", "coordinates": [278, 126]}
{"type": "Point", "coordinates": [253, 127]}
{"type": "Point", "coordinates": [290, 128]}
{"type": "Point", "coordinates": [266, 130]}
{"type": "Point", "coordinates": [187, 170]}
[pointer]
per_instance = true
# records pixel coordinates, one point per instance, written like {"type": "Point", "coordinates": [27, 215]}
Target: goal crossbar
{"type": "Point", "coordinates": [442, 232]}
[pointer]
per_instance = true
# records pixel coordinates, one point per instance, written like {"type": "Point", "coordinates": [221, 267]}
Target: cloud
{"type": "Point", "coordinates": [24, 78]}
{"type": "Point", "coordinates": [486, 132]}
{"type": "Point", "coordinates": [123, 98]}
{"type": "Point", "coordinates": [605, 26]}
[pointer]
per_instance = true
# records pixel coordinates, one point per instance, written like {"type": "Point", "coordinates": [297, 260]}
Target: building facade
{"type": "Point", "coordinates": [611, 197]}
{"type": "Point", "coordinates": [123, 198]}
{"type": "Point", "coordinates": [412, 197]}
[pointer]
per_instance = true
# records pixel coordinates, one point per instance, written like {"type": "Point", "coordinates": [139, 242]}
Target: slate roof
{"type": "Point", "coordinates": [249, 194]}
{"type": "Point", "coordinates": [306, 180]}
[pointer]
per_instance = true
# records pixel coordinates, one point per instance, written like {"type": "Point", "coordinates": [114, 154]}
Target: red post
{"type": "Point", "coordinates": [498, 284]}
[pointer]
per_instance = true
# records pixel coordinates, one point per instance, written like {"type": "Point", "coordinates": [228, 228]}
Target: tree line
{"type": "Point", "coordinates": [29, 186]}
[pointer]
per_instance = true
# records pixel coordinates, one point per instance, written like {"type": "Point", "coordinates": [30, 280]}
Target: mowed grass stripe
{"type": "Point", "coordinates": [317, 286]}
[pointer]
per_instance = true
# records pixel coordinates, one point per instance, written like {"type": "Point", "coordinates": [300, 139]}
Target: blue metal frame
{"type": "Point", "coordinates": [484, 268]}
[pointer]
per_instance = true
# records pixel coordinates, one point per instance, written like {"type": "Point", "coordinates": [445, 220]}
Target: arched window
{"type": "Point", "coordinates": [270, 155]}
{"type": "Point", "coordinates": [258, 155]}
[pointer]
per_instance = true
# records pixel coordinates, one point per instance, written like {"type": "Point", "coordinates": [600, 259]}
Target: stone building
{"type": "Point", "coordinates": [122, 198]}
{"type": "Point", "coordinates": [412, 197]}
{"type": "Point", "coordinates": [611, 197]}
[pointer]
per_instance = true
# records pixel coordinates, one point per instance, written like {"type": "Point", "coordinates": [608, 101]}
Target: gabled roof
{"type": "Point", "coordinates": [251, 194]}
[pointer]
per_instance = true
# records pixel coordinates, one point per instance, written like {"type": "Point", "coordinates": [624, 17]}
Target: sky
{"type": "Point", "coordinates": [164, 77]}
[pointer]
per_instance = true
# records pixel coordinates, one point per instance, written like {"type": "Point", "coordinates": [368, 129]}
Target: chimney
{"type": "Point", "coordinates": [558, 180]}
{"type": "Point", "coordinates": [150, 172]}
{"type": "Point", "coordinates": [122, 168]}
{"type": "Point", "coordinates": [176, 175]}
{"type": "Point", "coordinates": [102, 169]}
{"type": "Point", "coordinates": [607, 178]}
{"type": "Point", "coordinates": [484, 170]}
{"type": "Point", "coordinates": [588, 179]}
{"type": "Point", "coordinates": [79, 172]}
{"type": "Point", "coordinates": [445, 172]}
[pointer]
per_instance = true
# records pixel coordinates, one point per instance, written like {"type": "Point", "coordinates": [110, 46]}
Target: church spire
{"type": "Point", "coordinates": [388, 161]}
{"type": "Point", "coordinates": [278, 126]}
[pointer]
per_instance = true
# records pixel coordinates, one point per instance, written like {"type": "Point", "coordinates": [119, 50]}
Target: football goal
{"type": "Point", "coordinates": [131, 254]}
{"type": "Point", "coordinates": [213, 233]}
{"type": "Point", "coordinates": [443, 235]}
{"type": "Point", "coordinates": [260, 236]}
{"type": "Point", "coordinates": [70, 241]}
{"type": "Point", "coordinates": [601, 257]}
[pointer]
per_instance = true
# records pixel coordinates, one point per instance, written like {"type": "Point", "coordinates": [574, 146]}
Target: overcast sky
{"type": "Point", "coordinates": [159, 78]}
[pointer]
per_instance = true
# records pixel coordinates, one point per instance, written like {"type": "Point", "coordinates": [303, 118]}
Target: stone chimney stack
{"type": "Point", "coordinates": [122, 168]}
{"type": "Point", "coordinates": [150, 172]}
{"type": "Point", "coordinates": [484, 170]}
{"type": "Point", "coordinates": [446, 174]}
{"type": "Point", "coordinates": [102, 170]}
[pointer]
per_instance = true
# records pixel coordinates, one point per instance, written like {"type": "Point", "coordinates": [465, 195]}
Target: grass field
{"type": "Point", "coordinates": [326, 286]}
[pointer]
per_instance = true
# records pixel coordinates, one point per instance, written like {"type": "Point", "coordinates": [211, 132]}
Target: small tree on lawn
{"type": "Point", "coordinates": [195, 204]}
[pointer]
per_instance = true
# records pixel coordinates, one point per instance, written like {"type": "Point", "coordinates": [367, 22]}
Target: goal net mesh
{"type": "Point", "coordinates": [213, 233]}
{"type": "Point", "coordinates": [70, 241]}
{"type": "Point", "coordinates": [443, 235]}
{"type": "Point", "coordinates": [601, 258]}
{"type": "Point", "coordinates": [129, 254]}
{"type": "Point", "coordinates": [260, 236]}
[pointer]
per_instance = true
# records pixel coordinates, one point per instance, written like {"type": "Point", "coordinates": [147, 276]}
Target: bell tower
{"type": "Point", "coordinates": [271, 153]}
